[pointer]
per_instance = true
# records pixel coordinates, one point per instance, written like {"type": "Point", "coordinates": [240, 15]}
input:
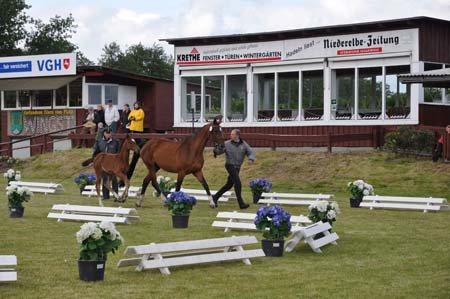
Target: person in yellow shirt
{"type": "Point", "coordinates": [136, 119]}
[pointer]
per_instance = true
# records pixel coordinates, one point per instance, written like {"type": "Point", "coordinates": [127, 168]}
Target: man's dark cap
{"type": "Point", "coordinates": [107, 130]}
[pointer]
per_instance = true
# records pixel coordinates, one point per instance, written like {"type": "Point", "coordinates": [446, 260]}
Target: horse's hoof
{"type": "Point", "coordinates": [138, 205]}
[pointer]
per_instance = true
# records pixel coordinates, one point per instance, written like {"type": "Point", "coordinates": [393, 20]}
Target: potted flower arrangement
{"type": "Point", "coordinates": [258, 186]}
{"type": "Point", "coordinates": [180, 204]}
{"type": "Point", "coordinates": [16, 197]}
{"type": "Point", "coordinates": [278, 223]}
{"type": "Point", "coordinates": [83, 179]}
{"type": "Point", "coordinates": [96, 241]}
{"type": "Point", "coordinates": [165, 185]}
{"type": "Point", "coordinates": [324, 211]}
{"type": "Point", "coordinates": [12, 175]}
{"type": "Point", "coordinates": [358, 189]}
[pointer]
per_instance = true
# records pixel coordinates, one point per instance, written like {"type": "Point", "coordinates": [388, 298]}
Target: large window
{"type": "Point", "coordinates": [75, 93]}
{"type": "Point", "coordinates": [343, 93]}
{"type": "Point", "coordinates": [264, 95]}
{"type": "Point", "coordinates": [312, 95]}
{"type": "Point", "coordinates": [61, 96]}
{"type": "Point", "coordinates": [112, 93]}
{"type": "Point", "coordinates": [24, 99]}
{"type": "Point", "coordinates": [214, 95]}
{"type": "Point", "coordinates": [288, 96]}
{"type": "Point", "coordinates": [41, 98]}
{"type": "Point", "coordinates": [9, 99]}
{"type": "Point", "coordinates": [370, 90]}
{"type": "Point", "coordinates": [191, 89]}
{"type": "Point", "coordinates": [94, 94]}
{"type": "Point", "coordinates": [236, 98]}
{"type": "Point", "coordinates": [398, 101]}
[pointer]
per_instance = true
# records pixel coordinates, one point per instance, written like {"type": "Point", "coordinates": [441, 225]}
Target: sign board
{"type": "Point", "coordinates": [35, 122]}
{"type": "Point", "coordinates": [305, 48]}
{"type": "Point", "coordinates": [38, 65]}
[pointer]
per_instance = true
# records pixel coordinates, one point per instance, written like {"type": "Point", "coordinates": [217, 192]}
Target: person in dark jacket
{"type": "Point", "coordinates": [124, 119]}
{"type": "Point", "coordinates": [236, 150]}
{"type": "Point", "coordinates": [99, 115]}
{"type": "Point", "coordinates": [111, 146]}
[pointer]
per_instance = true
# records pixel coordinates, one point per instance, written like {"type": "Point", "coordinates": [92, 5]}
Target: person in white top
{"type": "Point", "coordinates": [112, 116]}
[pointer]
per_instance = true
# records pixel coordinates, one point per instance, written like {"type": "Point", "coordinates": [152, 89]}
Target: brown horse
{"type": "Point", "coordinates": [181, 157]}
{"type": "Point", "coordinates": [114, 164]}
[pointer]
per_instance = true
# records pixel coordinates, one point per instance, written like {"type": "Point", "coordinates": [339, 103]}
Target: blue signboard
{"type": "Point", "coordinates": [15, 67]}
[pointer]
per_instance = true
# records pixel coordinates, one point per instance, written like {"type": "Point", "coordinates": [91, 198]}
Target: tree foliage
{"type": "Point", "coordinates": [139, 59]}
{"type": "Point", "coordinates": [12, 26]}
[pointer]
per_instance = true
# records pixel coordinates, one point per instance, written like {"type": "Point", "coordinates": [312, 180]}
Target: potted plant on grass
{"type": "Point", "coordinates": [16, 197]}
{"type": "Point", "coordinates": [180, 204]}
{"type": "Point", "coordinates": [324, 211]}
{"type": "Point", "coordinates": [278, 223]}
{"type": "Point", "coordinates": [258, 186]}
{"type": "Point", "coordinates": [359, 189]}
{"type": "Point", "coordinates": [165, 185]}
{"type": "Point", "coordinates": [83, 179]}
{"type": "Point", "coordinates": [12, 175]}
{"type": "Point", "coordinates": [96, 241]}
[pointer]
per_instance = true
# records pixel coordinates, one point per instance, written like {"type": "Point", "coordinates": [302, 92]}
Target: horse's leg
{"type": "Point", "coordinates": [108, 186]}
{"type": "Point", "coordinates": [180, 179]}
{"type": "Point", "coordinates": [151, 176]}
{"type": "Point", "coordinates": [124, 178]}
{"type": "Point", "coordinates": [98, 175]}
{"type": "Point", "coordinates": [201, 179]}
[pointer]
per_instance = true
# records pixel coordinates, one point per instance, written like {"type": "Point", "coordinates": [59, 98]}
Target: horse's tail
{"type": "Point", "coordinates": [87, 162]}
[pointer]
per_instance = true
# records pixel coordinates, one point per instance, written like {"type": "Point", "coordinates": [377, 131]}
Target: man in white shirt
{"type": "Point", "coordinates": [112, 116]}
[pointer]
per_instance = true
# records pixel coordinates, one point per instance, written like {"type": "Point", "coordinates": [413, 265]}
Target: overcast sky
{"type": "Point", "coordinates": [132, 21]}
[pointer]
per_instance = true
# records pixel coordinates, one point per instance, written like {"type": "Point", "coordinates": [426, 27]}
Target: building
{"type": "Point", "coordinates": [315, 80]}
{"type": "Point", "coordinates": [46, 93]}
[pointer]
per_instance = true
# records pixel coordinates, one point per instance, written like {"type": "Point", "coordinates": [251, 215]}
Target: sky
{"type": "Point", "coordinates": [130, 22]}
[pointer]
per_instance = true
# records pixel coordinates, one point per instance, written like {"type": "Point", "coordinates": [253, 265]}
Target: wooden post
{"type": "Point", "coordinates": [45, 143]}
{"type": "Point", "coordinates": [329, 142]}
{"type": "Point", "coordinates": [445, 147]}
{"type": "Point", "coordinates": [374, 137]}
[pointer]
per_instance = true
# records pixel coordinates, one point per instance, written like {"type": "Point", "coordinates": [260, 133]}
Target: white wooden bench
{"type": "Point", "coordinates": [238, 220]}
{"type": "Point", "coordinates": [409, 203]}
{"type": "Point", "coordinates": [308, 233]}
{"type": "Point", "coordinates": [133, 191]}
{"type": "Point", "coordinates": [292, 198]}
{"type": "Point", "coordinates": [36, 187]}
{"type": "Point", "coordinates": [165, 255]}
{"type": "Point", "coordinates": [200, 194]}
{"type": "Point", "coordinates": [8, 274]}
{"type": "Point", "coordinates": [92, 213]}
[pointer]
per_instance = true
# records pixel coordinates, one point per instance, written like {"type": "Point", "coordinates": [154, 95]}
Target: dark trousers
{"type": "Point", "coordinates": [232, 180]}
{"type": "Point", "coordinates": [437, 153]}
{"type": "Point", "coordinates": [115, 185]}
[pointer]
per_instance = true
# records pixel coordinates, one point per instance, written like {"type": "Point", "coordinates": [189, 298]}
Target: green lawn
{"type": "Point", "coordinates": [380, 254]}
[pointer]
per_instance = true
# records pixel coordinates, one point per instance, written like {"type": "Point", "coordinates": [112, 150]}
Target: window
{"type": "Point", "coordinates": [288, 96]}
{"type": "Point", "coordinates": [343, 94]}
{"type": "Point", "coordinates": [236, 98]}
{"type": "Point", "coordinates": [264, 96]}
{"type": "Point", "coordinates": [191, 88]}
{"type": "Point", "coordinates": [398, 101]}
{"type": "Point", "coordinates": [41, 98]}
{"type": "Point", "coordinates": [24, 99]}
{"type": "Point", "coordinates": [370, 86]}
{"type": "Point", "coordinates": [312, 95]}
{"type": "Point", "coordinates": [94, 94]}
{"type": "Point", "coordinates": [112, 93]}
{"type": "Point", "coordinates": [61, 96]}
{"type": "Point", "coordinates": [75, 93]}
{"type": "Point", "coordinates": [9, 99]}
{"type": "Point", "coordinates": [432, 94]}
{"type": "Point", "coordinates": [214, 93]}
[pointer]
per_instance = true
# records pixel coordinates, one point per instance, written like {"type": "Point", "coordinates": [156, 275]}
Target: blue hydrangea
{"type": "Point", "coordinates": [276, 219]}
{"type": "Point", "coordinates": [180, 203]}
{"type": "Point", "coordinates": [260, 185]}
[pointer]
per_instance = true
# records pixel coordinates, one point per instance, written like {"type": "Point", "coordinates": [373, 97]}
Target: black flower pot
{"type": "Point", "coordinates": [256, 197]}
{"type": "Point", "coordinates": [16, 212]}
{"type": "Point", "coordinates": [273, 247]}
{"type": "Point", "coordinates": [354, 202]}
{"type": "Point", "coordinates": [91, 270]}
{"type": "Point", "coordinates": [180, 221]}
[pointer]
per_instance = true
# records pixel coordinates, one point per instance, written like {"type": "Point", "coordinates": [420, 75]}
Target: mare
{"type": "Point", "coordinates": [181, 157]}
{"type": "Point", "coordinates": [114, 164]}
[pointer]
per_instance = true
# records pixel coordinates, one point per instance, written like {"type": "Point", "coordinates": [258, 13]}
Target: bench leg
{"type": "Point", "coordinates": [290, 244]}
{"type": "Point", "coordinates": [310, 242]}
{"type": "Point", "coordinates": [326, 233]}
{"type": "Point", "coordinates": [246, 261]}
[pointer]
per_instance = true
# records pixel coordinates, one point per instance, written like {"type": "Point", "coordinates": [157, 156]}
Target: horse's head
{"type": "Point", "coordinates": [217, 136]}
{"type": "Point", "coordinates": [131, 145]}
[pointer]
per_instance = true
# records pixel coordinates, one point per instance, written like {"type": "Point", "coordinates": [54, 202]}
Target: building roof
{"type": "Point", "coordinates": [99, 70]}
{"type": "Point", "coordinates": [434, 78]}
{"type": "Point", "coordinates": [394, 24]}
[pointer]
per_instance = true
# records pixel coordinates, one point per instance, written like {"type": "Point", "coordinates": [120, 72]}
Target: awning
{"type": "Point", "coordinates": [435, 78]}
{"type": "Point", "coordinates": [41, 83]}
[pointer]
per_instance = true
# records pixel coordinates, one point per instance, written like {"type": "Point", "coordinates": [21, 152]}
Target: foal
{"type": "Point", "coordinates": [114, 164]}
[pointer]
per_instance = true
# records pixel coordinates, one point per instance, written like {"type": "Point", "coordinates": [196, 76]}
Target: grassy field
{"type": "Point", "coordinates": [380, 254]}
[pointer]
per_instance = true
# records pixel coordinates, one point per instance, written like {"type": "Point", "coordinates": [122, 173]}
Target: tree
{"type": "Point", "coordinates": [12, 26]}
{"type": "Point", "coordinates": [139, 59]}
{"type": "Point", "coordinates": [52, 37]}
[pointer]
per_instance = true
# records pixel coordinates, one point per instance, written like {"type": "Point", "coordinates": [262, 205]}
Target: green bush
{"type": "Point", "coordinates": [405, 140]}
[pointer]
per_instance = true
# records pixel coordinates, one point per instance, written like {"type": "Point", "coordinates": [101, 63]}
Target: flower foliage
{"type": "Point", "coordinates": [84, 179]}
{"type": "Point", "coordinates": [17, 195]}
{"type": "Point", "coordinates": [359, 188]}
{"type": "Point", "coordinates": [165, 184]}
{"type": "Point", "coordinates": [97, 240]}
{"type": "Point", "coordinates": [259, 186]}
{"type": "Point", "coordinates": [12, 175]}
{"type": "Point", "coordinates": [324, 211]}
{"type": "Point", "coordinates": [180, 203]}
{"type": "Point", "coordinates": [277, 220]}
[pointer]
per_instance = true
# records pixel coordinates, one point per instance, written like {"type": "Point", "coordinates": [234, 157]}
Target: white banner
{"type": "Point", "coordinates": [38, 65]}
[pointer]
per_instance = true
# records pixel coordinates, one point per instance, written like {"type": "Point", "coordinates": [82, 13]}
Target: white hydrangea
{"type": "Point", "coordinates": [11, 189]}
{"type": "Point", "coordinates": [97, 233]}
{"type": "Point", "coordinates": [331, 214]}
{"type": "Point", "coordinates": [10, 173]}
{"type": "Point", "coordinates": [86, 230]}
{"type": "Point", "coordinates": [17, 177]}
{"type": "Point", "coordinates": [111, 228]}
{"type": "Point", "coordinates": [21, 191]}
{"type": "Point", "coordinates": [167, 179]}
{"type": "Point", "coordinates": [159, 179]}
{"type": "Point", "coordinates": [312, 206]}
{"type": "Point", "coordinates": [334, 205]}
{"type": "Point", "coordinates": [322, 206]}
{"type": "Point", "coordinates": [366, 192]}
